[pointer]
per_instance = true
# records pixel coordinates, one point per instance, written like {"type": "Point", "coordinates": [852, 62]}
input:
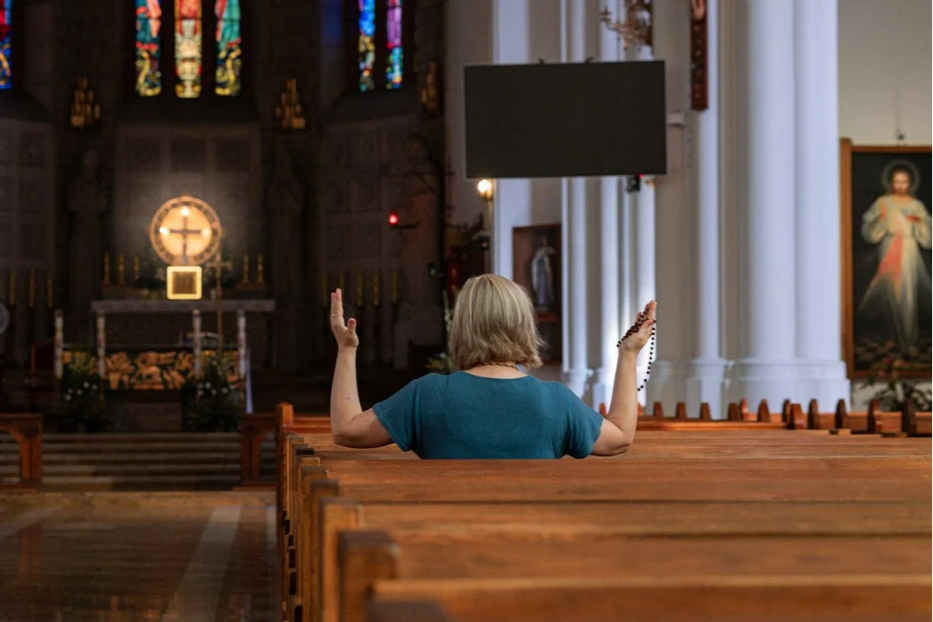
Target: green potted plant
{"type": "Point", "coordinates": [895, 391]}
{"type": "Point", "coordinates": [80, 405]}
{"type": "Point", "coordinates": [217, 406]}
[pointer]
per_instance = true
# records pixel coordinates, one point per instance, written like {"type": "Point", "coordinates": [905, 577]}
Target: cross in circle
{"type": "Point", "coordinates": [184, 232]}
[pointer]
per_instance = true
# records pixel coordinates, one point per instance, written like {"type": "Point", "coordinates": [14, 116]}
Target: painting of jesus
{"type": "Point", "coordinates": [886, 242]}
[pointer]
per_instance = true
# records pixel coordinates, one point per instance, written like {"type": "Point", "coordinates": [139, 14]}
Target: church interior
{"type": "Point", "coordinates": [185, 183]}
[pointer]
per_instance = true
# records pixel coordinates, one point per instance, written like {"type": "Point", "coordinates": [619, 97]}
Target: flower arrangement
{"type": "Point", "coordinates": [443, 363]}
{"type": "Point", "coordinates": [896, 392]}
{"type": "Point", "coordinates": [80, 406]}
{"type": "Point", "coordinates": [217, 406]}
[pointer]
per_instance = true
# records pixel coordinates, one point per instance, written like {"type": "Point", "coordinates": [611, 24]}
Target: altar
{"type": "Point", "coordinates": [138, 324]}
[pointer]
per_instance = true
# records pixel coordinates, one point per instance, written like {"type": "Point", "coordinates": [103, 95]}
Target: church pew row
{"type": "Point", "coordinates": [313, 491]}
{"type": "Point", "coordinates": [27, 430]}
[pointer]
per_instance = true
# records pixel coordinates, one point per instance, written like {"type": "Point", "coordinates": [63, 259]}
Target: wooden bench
{"type": "Point", "coordinates": [27, 430]}
{"type": "Point", "coordinates": [465, 527]}
{"type": "Point", "coordinates": [317, 484]}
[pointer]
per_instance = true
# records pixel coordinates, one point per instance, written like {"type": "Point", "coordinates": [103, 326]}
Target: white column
{"type": "Point", "coordinates": [766, 369]}
{"type": "Point", "coordinates": [706, 375]}
{"type": "Point", "coordinates": [823, 374]}
{"type": "Point", "coordinates": [609, 259]}
{"type": "Point", "coordinates": [575, 228]}
{"type": "Point", "coordinates": [645, 287]}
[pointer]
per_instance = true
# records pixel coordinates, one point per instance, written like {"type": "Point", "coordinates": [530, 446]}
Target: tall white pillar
{"type": "Point", "coordinates": [575, 227]}
{"type": "Point", "coordinates": [766, 368]}
{"type": "Point", "coordinates": [609, 259]}
{"type": "Point", "coordinates": [823, 374]}
{"type": "Point", "coordinates": [707, 366]}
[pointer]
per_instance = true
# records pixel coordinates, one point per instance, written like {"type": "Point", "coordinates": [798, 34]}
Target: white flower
{"type": "Point", "coordinates": [68, 397]}
{"type": "Point", "coordinates": [226, 390]}
{"type": "Point", "coordinates": [214, 391]}
{"type": "Point", "coordinates": [79, 392]}
{"type": "Point", "coordinates": [207, 385]}
{"type": "Point", "coordinates": [86, 385]}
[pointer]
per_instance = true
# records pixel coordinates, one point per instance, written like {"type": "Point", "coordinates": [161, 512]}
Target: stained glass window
{"type": "Point", "coordinates": [228, 47]}
{"type": "Point", "coordinates": [394, 44]}
{"type": "Point", "coordinates": [148, 47]}
{"type": "Point", "coordinates": [188, 48]}
{"type": "Point", "coordinates": [367, 44]}
{"type": "Point", "coordinates": [6, 72]}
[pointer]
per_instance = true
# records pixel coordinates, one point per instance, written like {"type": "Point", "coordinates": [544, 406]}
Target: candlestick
{"type": "Point", "coordinates": [325, 298]}
{"type": "Point", "coordinates": [49, 294]}
{"type": "Point", "coordinates": [106, 268]}
{"type": "Point", "coordinates": [245, 268]}
{"type": "Point", "coordinates": [259, 276]}
{"type": "Point", "coordinates": [11, 290]}
{"type": "Point", "coordinates": [135, 269]}
{"type": "Point", "coordinates": [121, 269]}
{"type": "Point", "coordinates": [395, 286]}
{"type": "Point", "coordinates": [359, 289]}
{"type": "Point", "coordinates": [375, 288]}
{"type": "Point", "coordinates": [32, 289]}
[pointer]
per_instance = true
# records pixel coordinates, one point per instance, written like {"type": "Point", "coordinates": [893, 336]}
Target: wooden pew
{"type": "Point", "coordinates": [27, 430]}
{"type": "Point", "coordinates": [917, 423]}
{"type": "Point", "coordinates": [334, 456]}
{"type": "Point", "coordinates": [422, 489]}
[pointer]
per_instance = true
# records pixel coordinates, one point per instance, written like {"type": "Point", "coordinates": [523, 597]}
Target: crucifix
{"type": "Point", "coordinates": [219, 265]}
{"type": "Point", "coordinates": [184, 232]}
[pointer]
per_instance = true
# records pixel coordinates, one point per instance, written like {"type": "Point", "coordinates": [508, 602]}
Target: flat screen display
{"type": "Point", "coordinates": [565, 120]}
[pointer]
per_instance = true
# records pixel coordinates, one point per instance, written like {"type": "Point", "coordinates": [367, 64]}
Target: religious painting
{"type": "Point", "coordinates": [148, 47]}
{"type": "Point", "coordinates": [886, 258]}
{"type": "Point", "coordinates": [536, 266]}
{"type": "Point", "coordinates": [6, 71]}
{"type": "Point", "coordinates": [229, 40]}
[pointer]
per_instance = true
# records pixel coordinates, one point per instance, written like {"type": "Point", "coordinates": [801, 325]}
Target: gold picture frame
{"type": "Point", "coordinates": [183, 283]}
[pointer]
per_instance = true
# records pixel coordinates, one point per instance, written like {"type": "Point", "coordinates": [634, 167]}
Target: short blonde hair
{"type": "Point", "coordinates": [494, 321]}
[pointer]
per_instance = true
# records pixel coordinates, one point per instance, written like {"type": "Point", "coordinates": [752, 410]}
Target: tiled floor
{"type": "Point", "coordinates": [113, 557]}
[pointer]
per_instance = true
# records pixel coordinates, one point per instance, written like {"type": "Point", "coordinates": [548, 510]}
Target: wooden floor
{"type": "Point", "coordinates": [137, 556]}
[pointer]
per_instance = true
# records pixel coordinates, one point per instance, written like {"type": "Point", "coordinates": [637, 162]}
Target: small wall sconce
{"type": "Point", "coordinates": [396, 223]}
{"type": "Point", "coordinates": [486, 189]}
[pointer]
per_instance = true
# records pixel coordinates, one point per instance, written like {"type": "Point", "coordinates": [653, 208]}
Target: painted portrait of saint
{"type": "Point", "coordinates": [888, 257]}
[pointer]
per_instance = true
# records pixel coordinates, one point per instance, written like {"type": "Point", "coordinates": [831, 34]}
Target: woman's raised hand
{"type": "Point", "coordinates": [638, 335]}
{"type": "Point", "coordinates": [344, 333]}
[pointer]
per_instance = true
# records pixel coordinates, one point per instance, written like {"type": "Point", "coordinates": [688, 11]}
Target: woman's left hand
{"type": "Point", "coordinates": [345, 334]}
{"type": "Point", "coordinates": [641, 332]}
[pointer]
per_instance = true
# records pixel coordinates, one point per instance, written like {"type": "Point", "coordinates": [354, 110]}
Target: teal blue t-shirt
{"type": "Point", "coordinates": [464, 416]}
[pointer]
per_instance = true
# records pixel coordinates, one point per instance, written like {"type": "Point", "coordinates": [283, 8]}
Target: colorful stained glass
{"type": "Point", "coordinates": [367, 45]}
{"type": "Point", "coordinates": [394, 44]}
{"type": "Point", "coordinates": [148, 47]}
{"type": "Point", "coordinates": [229, 50]}
{"type": "Point", "coordinates": [188, 48]}
{"type": "Point", "coordinates": [6, 72]}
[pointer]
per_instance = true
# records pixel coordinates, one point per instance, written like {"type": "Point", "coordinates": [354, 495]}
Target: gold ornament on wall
{"type": "Point", "coordinates": [289, 112]}
{"type": "Point", "coordinates": [635, 29]}
{"type": "Point", "coordinates": [85, 111]}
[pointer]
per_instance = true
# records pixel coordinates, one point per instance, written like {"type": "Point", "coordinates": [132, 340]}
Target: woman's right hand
{"type": "Point", "coordinates": [639, 334]}
{"type": "Point", "coordinates": [345, 334]}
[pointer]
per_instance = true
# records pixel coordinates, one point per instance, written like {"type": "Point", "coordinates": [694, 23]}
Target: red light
{"type": "Point", "coordinates": [393, 218]}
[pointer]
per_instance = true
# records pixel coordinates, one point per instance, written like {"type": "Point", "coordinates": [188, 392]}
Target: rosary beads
{"type": "Point", "coordinates": [634, 329]}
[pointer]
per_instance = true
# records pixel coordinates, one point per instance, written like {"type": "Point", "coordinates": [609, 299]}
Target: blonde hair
{"type": "Point", "coordinates": [494, 321]}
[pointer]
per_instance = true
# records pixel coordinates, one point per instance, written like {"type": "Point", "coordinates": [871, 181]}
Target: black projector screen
{"type": "Point", "coordinates": [565, 120]}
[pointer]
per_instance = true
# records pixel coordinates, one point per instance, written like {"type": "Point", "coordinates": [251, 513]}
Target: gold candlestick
{"type": "Point", "coordinates": [121, 269]}
{"type": "Point", "coordinates": [106, 268]}
{"type": "Point", "coordinates": [11, 290]}
{"type": "Point", "coordinates": [259, 276]}
{"type": "Point", "coordinates": [135, 269]}
{"type": "Point", "coordinates": [245, 268]}
{"type": "Point", "coordinates": [359, 289]}
{"type": "Point", "coordinates": [395, 286]}
{"type": "Point", "coordinates": [49, 295]}
{"type": "Point", "coordinates": [32, 289]}
{"type": "Point", "coordinates": [375, 288]}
